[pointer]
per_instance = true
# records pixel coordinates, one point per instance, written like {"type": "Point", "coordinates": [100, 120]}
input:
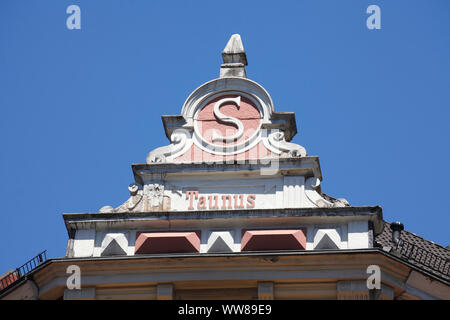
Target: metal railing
{"type": "Point", "coordinates": [413, 253]}
{"type": "Point", "coordinates": [23, 270]}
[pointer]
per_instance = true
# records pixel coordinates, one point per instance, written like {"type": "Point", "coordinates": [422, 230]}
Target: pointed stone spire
{"type": "Point", "coordinates": [234, 58]}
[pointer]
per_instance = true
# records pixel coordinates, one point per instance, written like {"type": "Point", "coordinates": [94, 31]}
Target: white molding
{"type": "Point", "coordinates": [181, 141]}
{"type": "Point", "coordinates": [222, 86]}
{"type": "Point", "coordinates": [358, 234]}
{"type": "Point", "coordinates": [83, 245]}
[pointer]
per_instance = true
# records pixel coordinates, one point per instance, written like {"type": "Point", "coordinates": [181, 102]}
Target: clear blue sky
{"type": "Point", "coordinates": [78, 107]}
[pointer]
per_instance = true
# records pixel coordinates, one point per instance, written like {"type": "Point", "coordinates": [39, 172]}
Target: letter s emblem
{"type": "Point", "coordinates": [228, 119]}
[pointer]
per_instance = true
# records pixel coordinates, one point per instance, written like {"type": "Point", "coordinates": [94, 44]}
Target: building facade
{"type": "Point", "coordinates": [231, 209]}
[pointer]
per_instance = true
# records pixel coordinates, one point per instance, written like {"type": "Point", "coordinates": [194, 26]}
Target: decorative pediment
{"type": "Point", "coordinates": [229, 150]}
{"type": "Point", "coordinates": [231, 117]}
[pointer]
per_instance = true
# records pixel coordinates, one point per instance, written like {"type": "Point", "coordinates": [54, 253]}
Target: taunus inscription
{"type": "Point", "coordinates": [219, 201]}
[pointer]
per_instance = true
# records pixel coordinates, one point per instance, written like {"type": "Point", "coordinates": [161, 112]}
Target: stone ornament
{"type": "Point", "coordinates": [106, 209]}
{"type": "Point", "coordinates": [319, 199]}
{"type": "Point", "coordinates": [234, 58]}
{"type": "Point", "coordinates": [276, 142]}
{"type": "Point", "coordinates": [327, 239]}
{"type": "Point", "coordinates": [154, 193]}
{"type": "Point", "coordinates": [220, 241]}
{"type": "Point", "coordinates": [114, 244]}
{"type": "Point", "coordinates": [181, 140]}
{"type": "Point", "coordinates": [149, 197]}
{"type": "Point", "coordinates": [135, 197]}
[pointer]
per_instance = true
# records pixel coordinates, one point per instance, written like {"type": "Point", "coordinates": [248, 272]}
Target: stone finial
{"type": "Point", "coordinates": [234, 58]}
